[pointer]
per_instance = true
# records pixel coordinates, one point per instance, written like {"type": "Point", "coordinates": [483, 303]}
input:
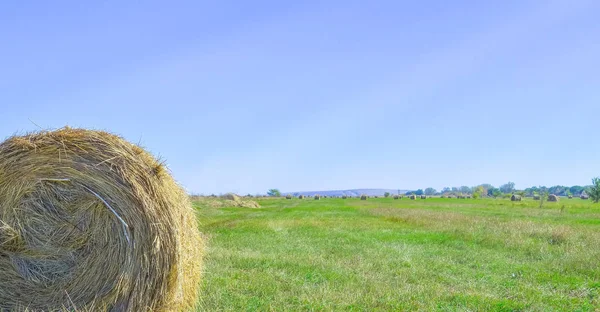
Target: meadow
{"type": "Point", "coordinates": [395, 255]}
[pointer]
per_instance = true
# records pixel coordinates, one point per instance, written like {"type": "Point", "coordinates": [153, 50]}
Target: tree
{"type": "Point", "coordinates": [274, 193]}
{"type": "Point", "coordinates": [496, 192]}
{"type": "Point", "coordinates": [487, 187]}
{"type": "Point", "coordinates": [419, 192]}
{"type": "Point", "coordinates": [521, 193]}
{"type": "Point", "coordinates": [594, 191]}
{"type": "Point", "coordinates": [386, 194]}
{"type": "Point", "coordinates": [478, 191]}
{"type": "Point", "coordinates": [446, 190]}
{"type": "Point", "coordinates": [576, 190]}
{"type": "Point", "coordinates": [430, 191]}
{"type": "Point", "coordinates": [507, 188]}
{"type": "Point", "coordinates": [465, 189]}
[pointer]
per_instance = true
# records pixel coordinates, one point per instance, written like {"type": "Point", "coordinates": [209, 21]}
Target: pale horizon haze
{"type": "Point", "coordinates": [240, 96]}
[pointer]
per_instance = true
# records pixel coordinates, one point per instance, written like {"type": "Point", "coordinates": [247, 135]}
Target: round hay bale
{"type": "Point", "coordinates": [317, 197]}
{"type": "Point", "coordinates": [396, 197]}
{"type": "Point", "coordinates": [288, 196]}
{"type": "Point", "coordinates": [100, 226]}
{"type": "Point", "coordinates": [553, 198]}
{"type": "Point", "coordinates": [515, 197]}
{"type": "Point", "coordinates": [363, 197]}
{"type": "Point", "coordinates": [536, 197]}
{"type": "Point", "coordinates": [570, 196]}
{"type": "Point", "coordinates": [344, 196]}
{"type": "Point", "coordinates": [584, 197]}
{"type": "Point", "coordinates": [231, 196]}
{"type": "Point", "coordinates": [423, 197]}
{"type": "Point", "coordinates": [413, 197]}
{"type": "Point", "coordinates": [300, 196]}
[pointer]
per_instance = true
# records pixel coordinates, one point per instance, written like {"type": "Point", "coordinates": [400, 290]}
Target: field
{"type": "Point", "coordinates": [384, 254]}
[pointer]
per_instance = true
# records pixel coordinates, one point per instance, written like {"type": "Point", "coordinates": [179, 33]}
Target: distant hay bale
{"type": "Point", "coordinates": [344, 196]}
{"type": "Point", "coordinates": [570, 196]}
{"type": "Point", "coordinates": [536, 197]}
{"type": "Point", "coordinates": [300, 196]}
{"type": "Point", "coordinates": [363, 197]}
{"type": "Point", "coordinates": [396, 197]}
{"type": "Point", "coordinates": [515, 197]}
{"type": "Point", "coordinates": [288, 196]}
{"type": "Point", "coordinates": [375, 196]}
{"type": "Point", "coordinates": [553, 198]}
{"type": "Point", "coordinates": [468, 196]}
{"type": "Point", "coordinates": [317, 197]}
{"type": "Point", "coordinates": [231, 196]}
{"type": "Point", "coordinates": [423, 197]}
{"type": "Point", "coordinates": [413, 197]}
{"type": "Point", "coordinates": [584, 197]}
{"type": "Point", "coordinates": [101, 226]}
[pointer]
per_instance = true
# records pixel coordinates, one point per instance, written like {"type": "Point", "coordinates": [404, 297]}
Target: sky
{"type": "Point", "coordinates": [244, 96]}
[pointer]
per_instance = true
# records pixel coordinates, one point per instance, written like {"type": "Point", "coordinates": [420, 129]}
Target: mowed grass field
{"type": "Point", "coordinates": [393, 255]}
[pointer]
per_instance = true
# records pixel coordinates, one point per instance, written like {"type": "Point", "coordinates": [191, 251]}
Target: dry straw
{"type": "Point", "coordinates": [90, 222]}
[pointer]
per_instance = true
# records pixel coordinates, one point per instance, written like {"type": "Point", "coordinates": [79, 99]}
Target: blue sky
{"type": "Point", "coordinates": [244, 96]}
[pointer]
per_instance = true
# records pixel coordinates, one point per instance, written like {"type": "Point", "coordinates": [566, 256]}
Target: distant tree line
{"type": "Point", "coordinates": [488, 190]}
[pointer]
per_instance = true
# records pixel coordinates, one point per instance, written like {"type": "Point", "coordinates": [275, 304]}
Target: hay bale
{"type": "Point", "coordinates": [396, 197]}
{"type": "Point", "coordinates": [515, 197]}
{"type": "Point", "coordinates": [413, 197]}
{"type": "Point", "coordinates": [363, 197]}
{"type": "Point", "coordinates": [317, 197]}
{"type": "Point", "coordinates": [553, 198]}
{"type": "Point", "coordinates": [344, 196]}
{"type": "Point", "coordinates": [423, 197]}
{"type": "Point", "coordinates": [570, 196]}
{"type": "Point", "coordinates": [231, 196]}
{"type": "Point", "coordinates": [536, 197]}
{"type": "Point", "coordinates": [101, 226]}
{"type": "Point", "coordinates": [300, 196]}
{"type": "Point", "coordinates": [584, 197]}
{"type": "Point", "coordinates": [288, 196]}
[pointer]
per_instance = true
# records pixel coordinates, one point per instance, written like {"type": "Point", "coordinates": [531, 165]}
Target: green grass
{"type": "Point", "coordinates": [385, 254]}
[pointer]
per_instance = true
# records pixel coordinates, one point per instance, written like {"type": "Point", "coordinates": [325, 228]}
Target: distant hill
{"type": "Point", "coordinates": [355, 192]}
